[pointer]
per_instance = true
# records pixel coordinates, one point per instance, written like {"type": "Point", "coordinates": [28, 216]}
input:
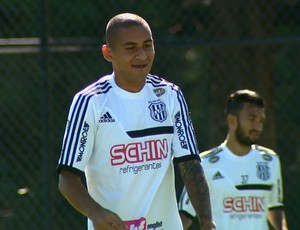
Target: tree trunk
{"type": "Point", "coordinates": [240, 58]}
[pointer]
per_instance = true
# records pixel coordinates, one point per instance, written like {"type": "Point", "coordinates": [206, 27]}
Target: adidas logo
{"type": "Point", "coordinates": [217, 176]}
{"type": "Point", "coordinates": [106, 117]}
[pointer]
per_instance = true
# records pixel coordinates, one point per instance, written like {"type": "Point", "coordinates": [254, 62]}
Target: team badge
{"type": "Point", "coordinates": [158, 111]}
{"type": "Point", "coordinates": [262, 171]}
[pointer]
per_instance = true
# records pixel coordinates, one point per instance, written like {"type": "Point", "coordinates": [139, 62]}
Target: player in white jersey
{"type": "Point", "coordinates": [123, 133]}
{"type": "Point", "coordinates": [244, 179]}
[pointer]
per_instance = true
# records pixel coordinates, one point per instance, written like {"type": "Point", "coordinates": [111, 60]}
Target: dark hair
{"type": "Point", "coordinates": [119, 21]}
{"type": "Point", "coordinates": [237, 99]}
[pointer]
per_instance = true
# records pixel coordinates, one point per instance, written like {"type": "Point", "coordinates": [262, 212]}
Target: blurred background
{"type": "Point", "coordinates": [49, 50]}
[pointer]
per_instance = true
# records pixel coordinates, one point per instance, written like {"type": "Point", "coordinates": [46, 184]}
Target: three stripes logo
{"type": "Point", "coordinates": [106, 117]}
{"type": "Point", "coordinates": [217, 176]}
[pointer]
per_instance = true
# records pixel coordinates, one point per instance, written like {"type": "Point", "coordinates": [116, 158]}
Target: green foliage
{"type": "Point", "coordinates": [35, 98]}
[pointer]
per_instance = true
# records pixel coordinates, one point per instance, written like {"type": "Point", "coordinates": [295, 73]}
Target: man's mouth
{"type": "Point", "coordinates": [255, 134]}
{"type": "Point", "coordinates": [139, 66]}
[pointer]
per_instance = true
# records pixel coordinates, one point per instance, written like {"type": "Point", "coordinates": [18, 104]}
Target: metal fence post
{"type": "Point", "coordinates": [44, 107]}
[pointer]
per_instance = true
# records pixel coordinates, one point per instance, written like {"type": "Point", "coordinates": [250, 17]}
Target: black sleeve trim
{"type": "Point", "coordinates": [71, 169]}
{"type": "Point", "coordinates": [187, 158]}
{"type": "Point", "coordinates": [277, 207]}
{"type": "Point", "coordinates": [188, 215]}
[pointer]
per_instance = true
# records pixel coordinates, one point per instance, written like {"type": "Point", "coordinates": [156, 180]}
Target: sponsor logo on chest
{"type": "Point", "coordinates": [153, 150]}
{"type": "Point", "coordinates": [244, 204]}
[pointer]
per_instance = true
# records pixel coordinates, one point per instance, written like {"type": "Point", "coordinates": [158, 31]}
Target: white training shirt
{"type": "Point", "coordinates": [242, 188]}
{"type": "Point", "coordinates": [125, 143]}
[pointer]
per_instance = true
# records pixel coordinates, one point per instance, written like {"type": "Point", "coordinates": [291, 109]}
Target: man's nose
{"type": "Point", "coordinates": [141, 54]}
{"type": "Point", "coordinates": [259, 126]}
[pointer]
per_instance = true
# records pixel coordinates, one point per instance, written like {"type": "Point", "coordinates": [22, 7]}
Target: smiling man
{"type": "Point", "coordinates": [244, 178]}
{"type": "Point", "coordinates": [123, 133]}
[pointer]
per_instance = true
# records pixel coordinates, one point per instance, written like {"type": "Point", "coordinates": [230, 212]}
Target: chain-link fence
{"type": "Point", "coordinates": [51, 49]}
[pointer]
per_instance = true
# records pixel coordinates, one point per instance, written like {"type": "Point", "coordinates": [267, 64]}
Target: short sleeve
{"type": "Point", "coordinates": [184, 141]}
{"type": "Point", "coordinates": [276, 198]}
{"type": "Point", "coordinates": [79, 135]}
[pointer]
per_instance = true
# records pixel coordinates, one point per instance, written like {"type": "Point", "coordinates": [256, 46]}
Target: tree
{"type": "Point", "coordinates": [241, 56]}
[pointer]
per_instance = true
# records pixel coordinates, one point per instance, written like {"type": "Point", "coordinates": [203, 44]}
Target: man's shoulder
{"type": "Point", "coordinates": [266, 153]}
{"type": "Point", "coordinates": [212, 155]}
{"type": "Point", "coordinates": [101, 86]}
{"type": "Point", "coordinates": [264, 149]}
{"type": "Point", "coordinates": [159, 82]}
{"type": "Point", "coordinates": [211, 152]}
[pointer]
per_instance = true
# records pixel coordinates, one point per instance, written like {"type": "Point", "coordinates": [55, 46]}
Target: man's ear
{"type": "Point", "coordinates": [231, 121]}
{"type": "Point", "coordinates": [106, 51]}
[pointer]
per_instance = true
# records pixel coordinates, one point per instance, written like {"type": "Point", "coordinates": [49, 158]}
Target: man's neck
{"type": "Point", "coordinates": [130, 85]}
{"type": "Point", "coordinates": [237, 148]}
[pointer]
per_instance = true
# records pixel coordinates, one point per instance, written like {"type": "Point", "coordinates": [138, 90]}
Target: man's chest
{"type": "Point", "coordinates": [255, 176]}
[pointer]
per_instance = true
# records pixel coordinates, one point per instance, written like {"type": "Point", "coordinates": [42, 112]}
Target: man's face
{"type": "Point", "coordinates": [250, 123]}
{"type": "Point", "coordinates": [133, 53]}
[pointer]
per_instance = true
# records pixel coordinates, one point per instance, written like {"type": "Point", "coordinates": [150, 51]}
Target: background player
{"type": "Point", "coordinates": [123, 133]}
{"type": "Point", "coordinates": [244, 178]}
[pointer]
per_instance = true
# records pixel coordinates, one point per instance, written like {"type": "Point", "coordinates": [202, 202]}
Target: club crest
{"type": "Point", "coordinates": [262, 171]}
{"type": "Point", "coordinates": [158, 111]}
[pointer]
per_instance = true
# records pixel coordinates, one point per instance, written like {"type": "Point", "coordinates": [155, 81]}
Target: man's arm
{"type": "Point", "coordinates": [197, 188]}
{"type": "Point", "coordinates": [277, 219]}
{"type": "Point", "coordinates": [74, 191]}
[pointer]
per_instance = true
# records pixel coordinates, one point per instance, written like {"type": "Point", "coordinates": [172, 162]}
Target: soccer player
{"type": "Point", "coordinates": [123, 133]}
{"type": "Point", "coordinates": [244, 178]}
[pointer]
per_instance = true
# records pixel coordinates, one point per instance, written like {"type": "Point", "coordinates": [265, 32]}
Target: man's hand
{"type": "Point", "coordinates": [207, 225]}
{"type": "Point", "coordinates": [106, 219]}
{"type": "Point", "coordinates": [75, 192]}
